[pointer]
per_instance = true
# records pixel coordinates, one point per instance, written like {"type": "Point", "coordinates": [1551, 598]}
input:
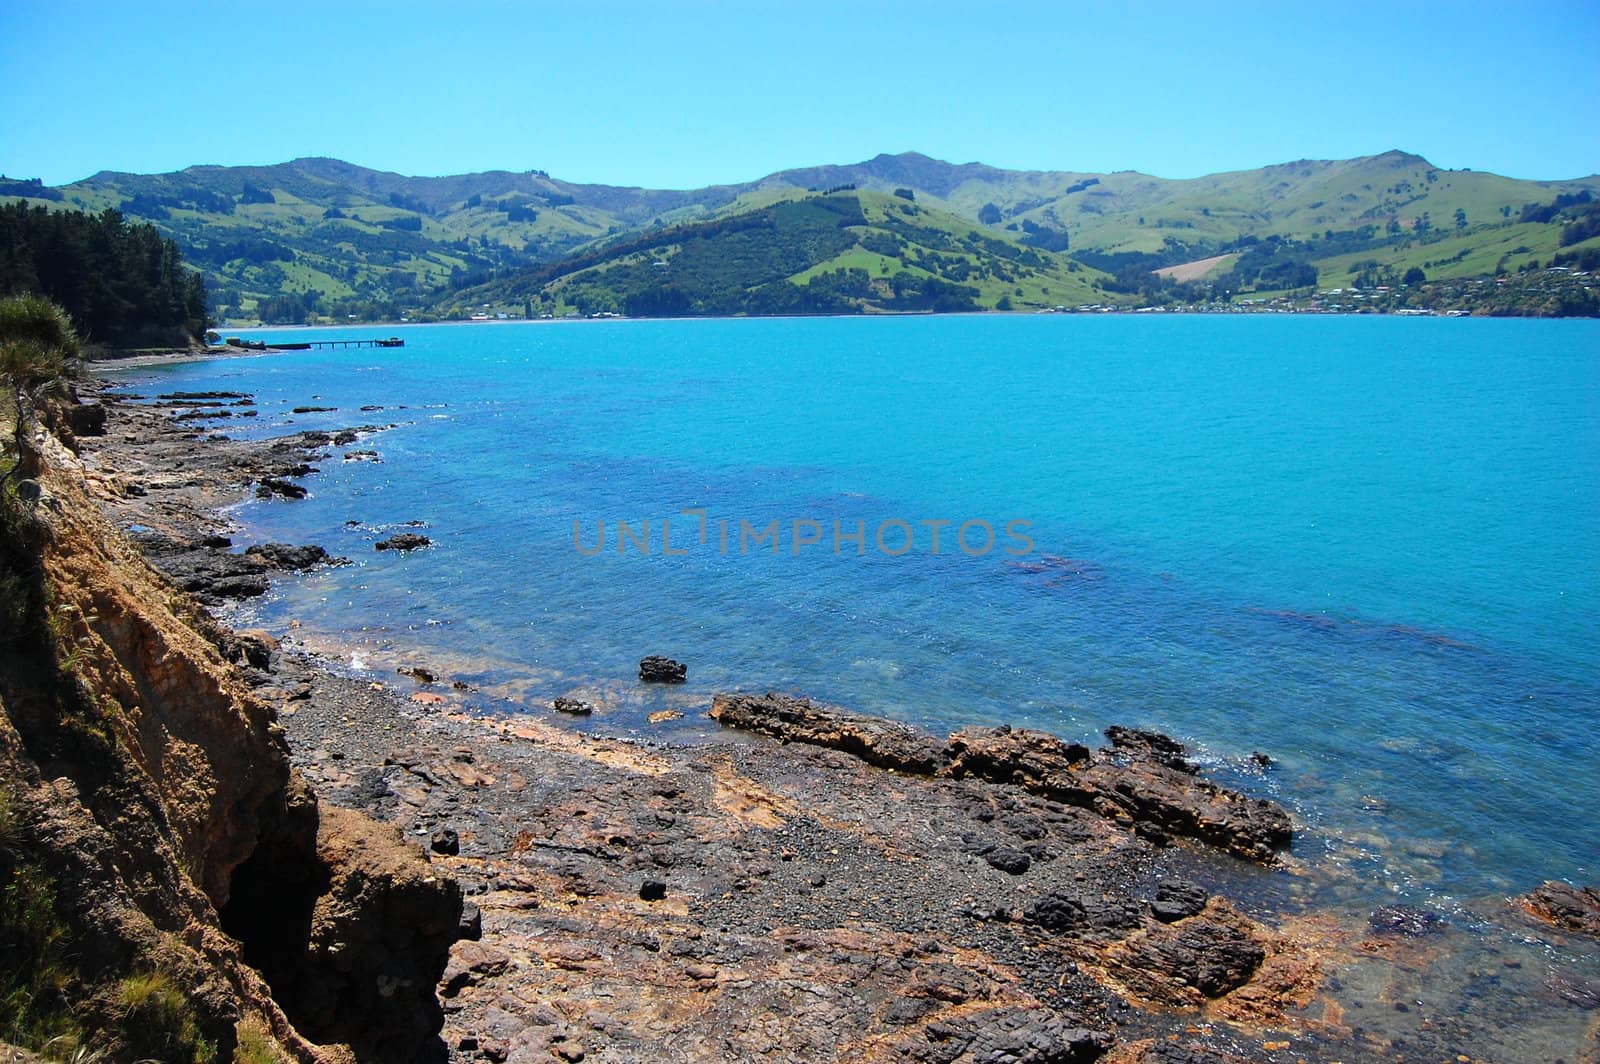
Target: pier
{"type": "Point", "coordinates": [307, 345]}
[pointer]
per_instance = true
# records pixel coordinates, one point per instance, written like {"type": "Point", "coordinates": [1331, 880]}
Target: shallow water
{"type": "Point", "coordinates": [1365, 546]}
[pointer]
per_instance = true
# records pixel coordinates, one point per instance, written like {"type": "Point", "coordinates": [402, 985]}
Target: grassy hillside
{"type": "Point", "coordinates": [844, 251]}
{"type": "Point", "coordinates": [339, 239]}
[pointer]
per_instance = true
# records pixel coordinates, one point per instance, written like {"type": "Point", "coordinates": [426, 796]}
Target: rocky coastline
{"type": "Point", "coordinates": [818, 885]}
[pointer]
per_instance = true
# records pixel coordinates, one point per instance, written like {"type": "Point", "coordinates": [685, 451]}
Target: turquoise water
{"type": "Point", "coordinates": [1365, 546]}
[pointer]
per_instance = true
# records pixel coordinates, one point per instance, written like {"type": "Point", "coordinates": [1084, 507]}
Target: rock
{"type": "Point", "coordinates": [313, 410]}
{"type": "Point", "coordinates": [285, 556]}
{"type": "Point", "coordinates": [874, 740]}
{"type": "Point", "coordinates": [573, 706]}
{"type": "Point", "coordinates": [1010, 861]}
{"type": "Point", "coordinates": [417, 673]}
{"type": "Point", "coordinates": [1017, 756]}
{"type": "Point", "coordinates": [1570, 908]}
{"type": "Point", "coordinates": [1064, 909]}
{"type": "Point", "coordinates": [1177, 899]}
{"type": "Point", "coordinates": [1207, 955]}
{"type": "Point", "coordinates": [471, 927]}
{"type": "Point", "coordinates": [1013, 1036]}
{"type": "Point", "coordinates": [657, 669]}
{"type": "Point", "coordinates": [446, 842]}
{"type": "Point", "coordinates": [1405, 920]}
{"type": "Point", "coordinates": [1135, 783]}
{"type": "Point", "coordinates": [345, 438]}
{"type": "Point", "coordinates": [267, 487]}
{"type": "Point", "coordinates": [403, 541]}
{"type": "Point", "coordinates": [254, 647]}
{"type": "Point", "coordinates": [86, 419]}
{"type": "Point", "coordinates": [652, 890]}
{"type": "Point", "coordinates": [214, 576]}
{"type": "Point", "coordinates": [1150, 745]}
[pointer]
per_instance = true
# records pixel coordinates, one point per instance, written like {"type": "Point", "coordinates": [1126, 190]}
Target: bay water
{"type": "Point", "coordinates": [1368, 547]}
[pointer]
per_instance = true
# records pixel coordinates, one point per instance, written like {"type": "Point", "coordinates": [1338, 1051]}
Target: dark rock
{"type": "Point", "coordinates": [313, 409]}
{"type": "Point", "coordinates": [652, 890]}
{"type": "Point", "coordinates": [286, 556]}
{"type": "Point", "coordinates": [1405, 920]}
{"type": "Point", "coordinates": [86, 419]}
{"type": "Point", "coordinates": [1172, 1053]}
{"type": "Point", "coordinates": [1211, 957]}
{"type": "Point", "coordinates": [1012, 755]}
{"type": "Point", "coordinates": [214, 576]}
{"type": "Point", "coordinates": [1570, 908]}
{"type": "Point", "coordinates": [417, 673]}
{"type": "Point", "coordinates": [446, 842]}
{"type": "Point", "coordinates": [576, 707]}
{"type": "Point", "coordinates": [1059, 911]}
{"type": "Point", "coordinates": [657, 669]}
{"type": "Point", "coordinates": [267, 487]}
{"type": "Point", "coordinates": [1011, 862]}
{"type": "Point", "coordinates": [403, 541]}
{"type": "Point", "coordinates": [1150, 745]}
{"type": "Point", "coordinates": [471, 929]}
{"type": "Point", "coordinates": [1013, 1036]}
{"type": "Point", "coordinates": [1177, 899]}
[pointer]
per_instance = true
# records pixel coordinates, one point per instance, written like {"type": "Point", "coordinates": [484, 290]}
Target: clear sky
{"type": "Point", "coordinates": [682, 94]}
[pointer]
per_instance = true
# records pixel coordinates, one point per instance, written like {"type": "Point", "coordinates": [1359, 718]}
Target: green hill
{"type": "Point", "coordinates": [339, 239]}
{"type": "Point", "coordinates": [843, 251]}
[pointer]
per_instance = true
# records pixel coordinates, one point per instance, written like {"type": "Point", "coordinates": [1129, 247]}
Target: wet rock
{"type": "Point", "coordinates": [267, 487]}
{"type": "Point", "coordinates": [575, 707]}
{"type": "Point", "coordinates": [1405, 920]}
{"type": "Point", "coordinates": [313, 409]}
{"type": "Point", "coordinates": [1152, 746]}
{"type": "Point", "coordinates": [345, 438]}
{"type": "Point", "coordinates": [652, 890]}
{"type": "Point", "coordinates": [1171, 1053]}
{"type": "Point", "coordinates": [403, 541]}
{"type": "Point", "coordinates": [446, 842]}
{"type": "Point", "coordinates": [1570, 908]}
{"type": "Point", "coordinates": [288, 557]}
{"type": "Point", "coordinates": [1010, 861]}
{"type": "Point", "coordinates": [417, 673]}
{"type": "Point", "coordinates": [1177, 899]}
{"type": "Point", "coordinates": [657, 669]}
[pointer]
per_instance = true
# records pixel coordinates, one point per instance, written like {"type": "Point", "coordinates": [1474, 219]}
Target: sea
{"type": "Point", "coordinates": [1367, 547]}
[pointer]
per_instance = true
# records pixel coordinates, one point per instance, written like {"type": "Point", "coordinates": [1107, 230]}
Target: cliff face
{"type": "Point", "coordinates": [158, 853]}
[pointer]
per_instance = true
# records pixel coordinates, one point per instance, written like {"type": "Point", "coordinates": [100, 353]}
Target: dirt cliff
{"type": "Point", "coordinates": [158, 853]}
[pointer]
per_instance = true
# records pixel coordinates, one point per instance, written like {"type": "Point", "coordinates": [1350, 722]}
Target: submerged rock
{"type": "Point", "coordinates": [574, 706]}
{"type": "Point", "coordinates": [1405, 920]}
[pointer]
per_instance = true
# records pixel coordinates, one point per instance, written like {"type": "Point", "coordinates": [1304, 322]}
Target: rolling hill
{"type": "Point", "coordinates": [842, 251]}
{"type": "Point", "coordinates": [340, 239]}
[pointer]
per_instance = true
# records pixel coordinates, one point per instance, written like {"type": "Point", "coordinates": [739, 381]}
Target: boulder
{"type": "Point", "coordinates": [403, 541]}
{"type": "Point", "coordinates": [289, 557]}
{"type": "Point", "coordinates": [657, 669]}
{"type": "Point", "coordinates": [1177, 899]}
{"type": "Point", "coordinates": [575, 707]}
{"type": "Point", "coordinates": [1570, 908]}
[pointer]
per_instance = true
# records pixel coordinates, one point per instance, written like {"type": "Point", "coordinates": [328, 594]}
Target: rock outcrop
{"type": "Point", "coordinates": [1143, 780]}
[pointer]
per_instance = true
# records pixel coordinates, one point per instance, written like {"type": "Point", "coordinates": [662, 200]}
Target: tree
{"type": "Point", "coordinates": [989, 214]}
{"type": "Point", "coordinates": [906, 194]}
{"type": "Point", "coordinates": [1461, 218]}
{"type": "Point", "coordinates": [1414, 276]}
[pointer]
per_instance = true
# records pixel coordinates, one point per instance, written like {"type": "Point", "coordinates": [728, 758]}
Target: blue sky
{"type": "Point", "coordinates": [682, 94]}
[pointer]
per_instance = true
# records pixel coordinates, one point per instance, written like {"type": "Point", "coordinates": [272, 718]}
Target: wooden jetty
{"type": "Point", "coordinates": [307, 345]}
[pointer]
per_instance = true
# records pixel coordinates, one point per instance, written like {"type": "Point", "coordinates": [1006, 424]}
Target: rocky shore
{"type": "Point", "coordinates": [817, 885]}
